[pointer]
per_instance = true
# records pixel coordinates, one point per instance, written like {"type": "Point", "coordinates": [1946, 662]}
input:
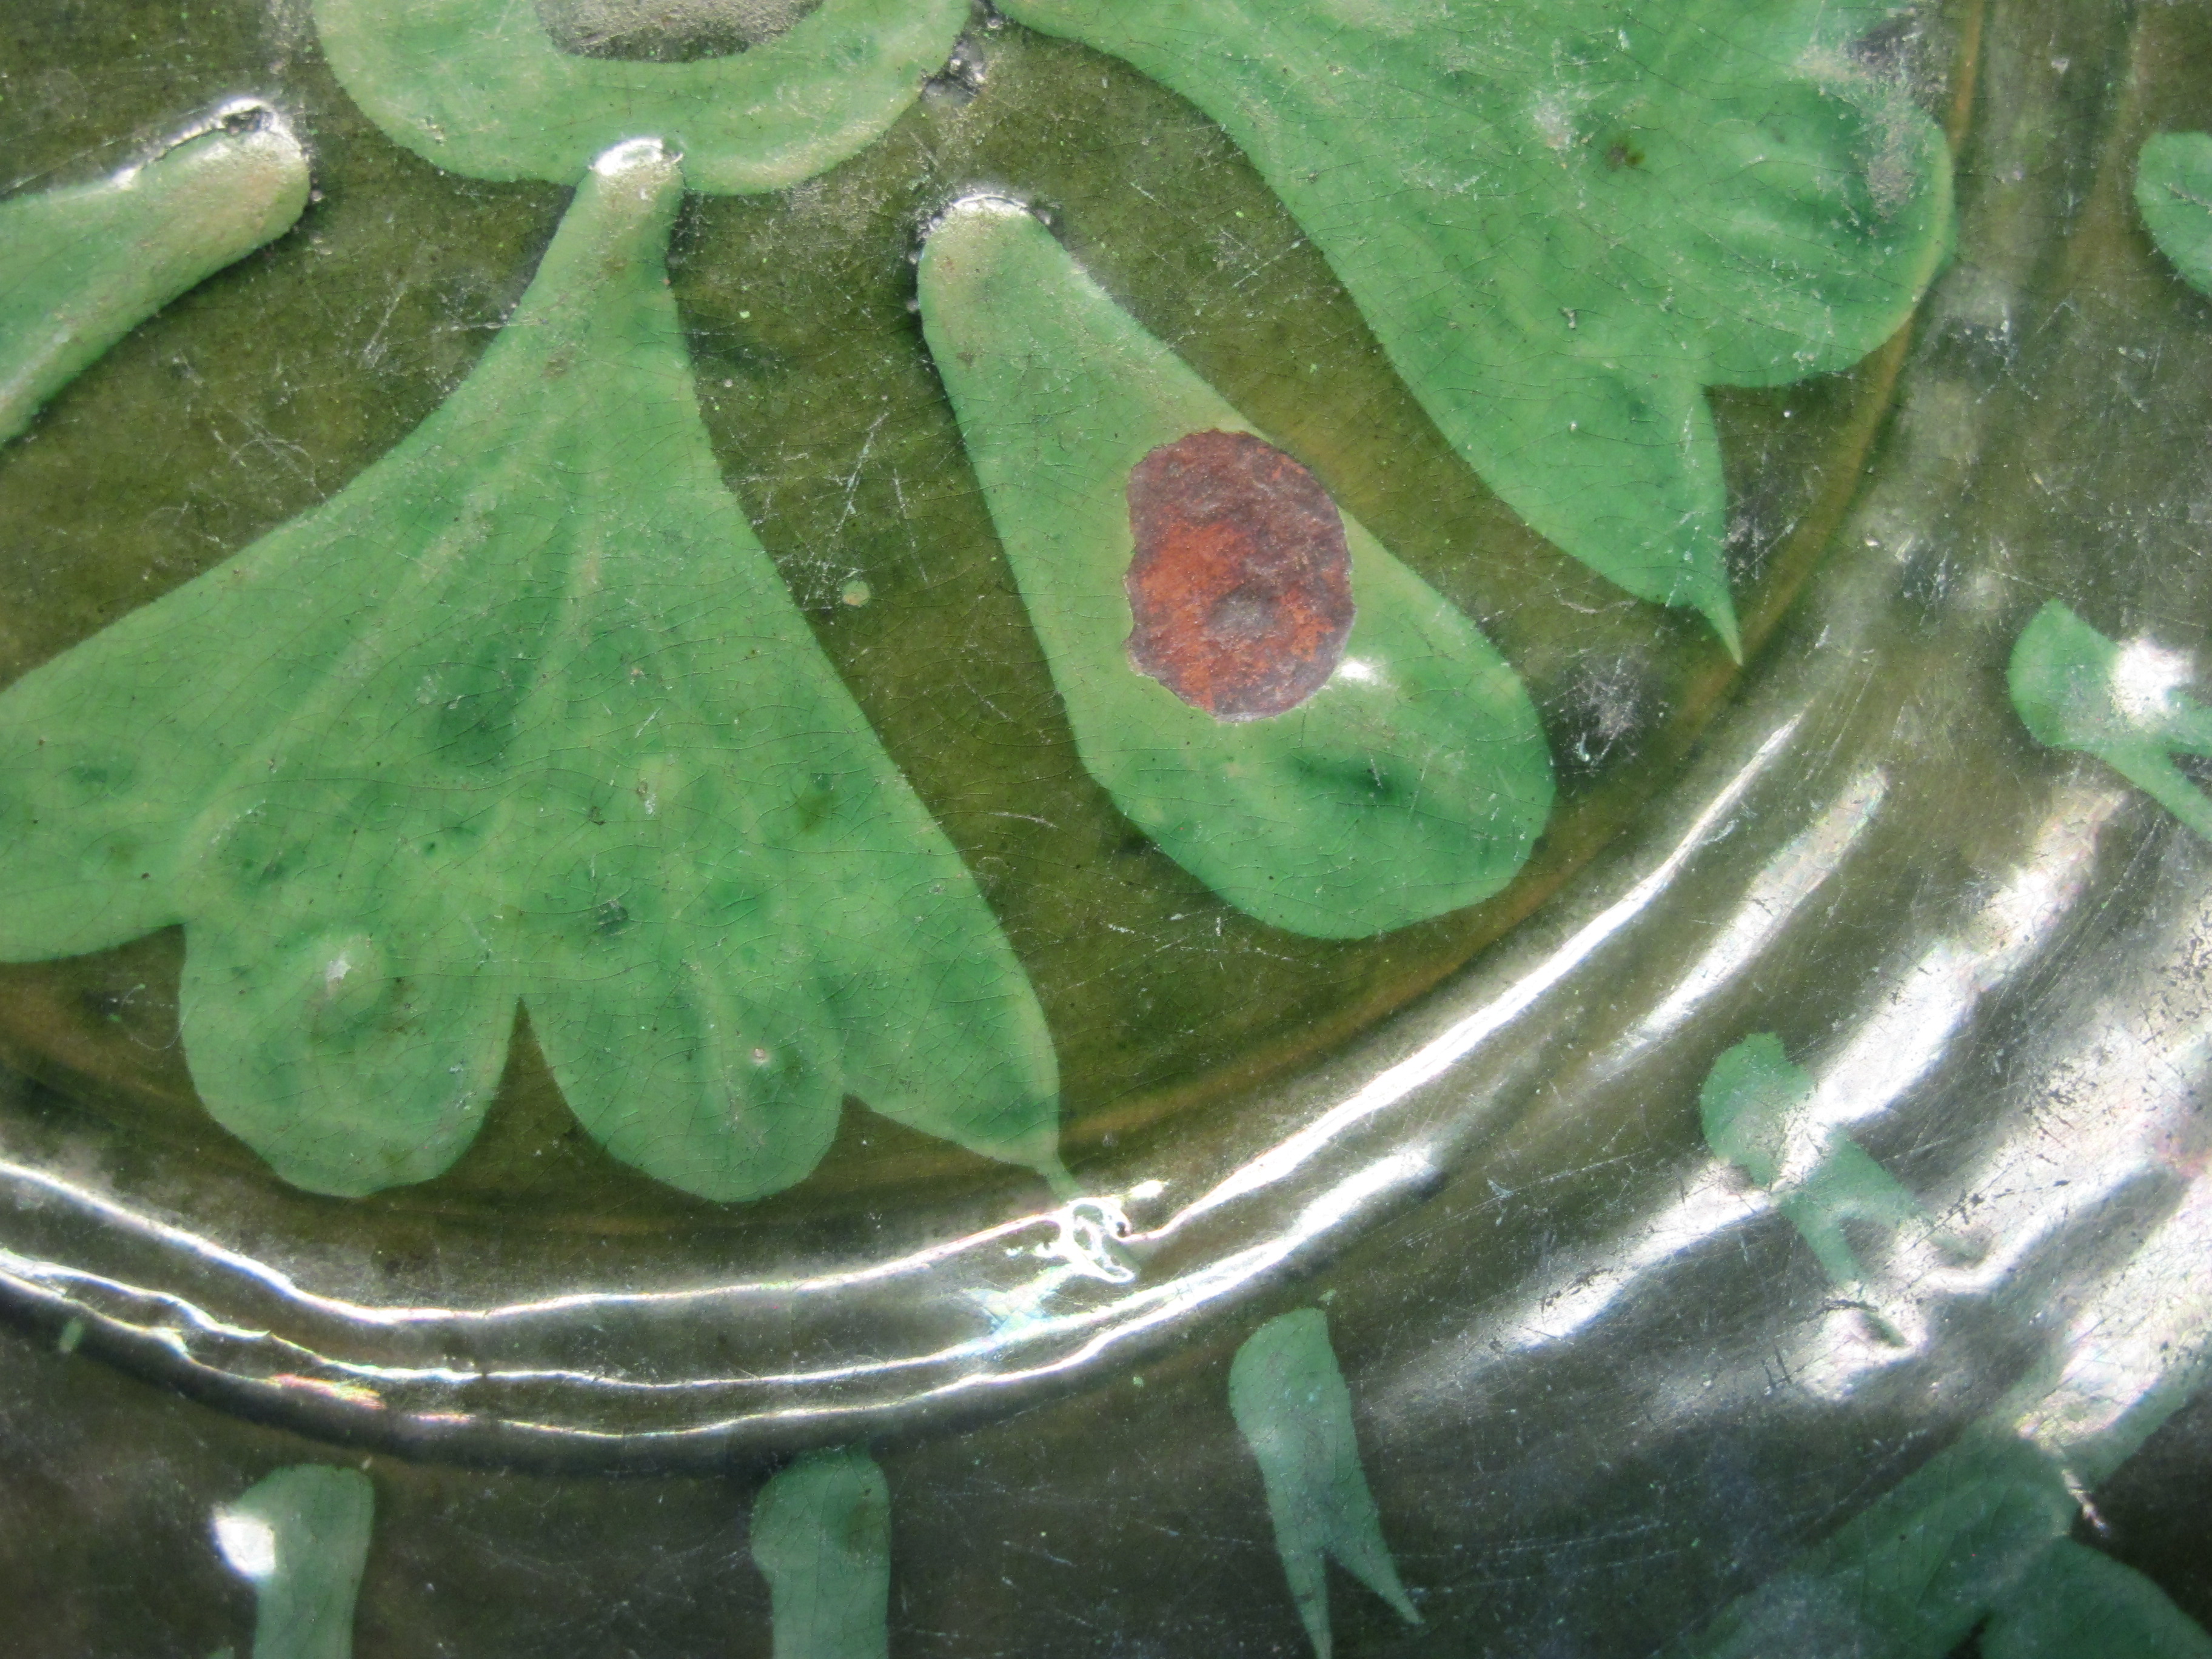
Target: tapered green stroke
{"type": "Point", "coordinates": [1748, 1102]}
{"type": "Point", "coordinates": [820, 1536]}
{"type": "Point", "coordinates": [2173, 191]}
{"type": "Point", "coordinates": [1972, 1544]}
{"type": "Point", "coordinates": [2075, 688]}
{"type": "Point", "coordinates": [1290, 1402]}
{"type": "Point", "coordinates": [1413, 783]}
{"type": "Point", "coordinates": [1914, 1574]}
{"type": "Point", "coordinates": [2077, 1603]}
{"type": "Point", "coordinates": [80, 267]}
{"type": "Point", "coordinates": [478, 87]}
{"type": "Point", "coordinates": [524, 712]}
{"type": "Point", "coordinates": [1563, 219]}
{"type": "Point", "coordinates": [300, 1537]}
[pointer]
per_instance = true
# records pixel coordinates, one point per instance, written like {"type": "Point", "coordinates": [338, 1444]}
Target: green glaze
{"type": "Point", "coordinates": [1747, 1104]}
{"type": "Point", "coordinates": [82, 266]}
{"type": "Point", "coordinates": [1413, 783]}
{"type": "Point", "coordinates": [1915, 1572]}
{"type": "Point", "coordinates": [1564, 221]}
{"type": "Point", "coordinates": [1975, 1541]}
{"type": "Point", "coordinates": [301, 1537]}
{"type": "Point", "coordinates": [1289, 1399]}
{"type": "Point", "coordinates": [2173, 190]}
{"type": "Point", "coordinates": [2078, 1603]}
{"type": "Point", "coordinates": [820, 1536]}
{"type": "Point", "coordinates": [478, 87]}
{"type": "Point", "coordinates": [2075, 688]}
{"type": "Point", "coordinates": [524, 712]}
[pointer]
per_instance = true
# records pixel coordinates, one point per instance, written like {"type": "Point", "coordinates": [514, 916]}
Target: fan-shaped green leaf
{"type": "Point", "coordinates": [523, 712]}
{"type": "Point", "coordinates": [1563, 220]}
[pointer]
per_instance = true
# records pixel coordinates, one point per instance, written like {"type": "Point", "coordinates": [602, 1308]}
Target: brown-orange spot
{"type": "Point", "coordinates": [1242, 583]}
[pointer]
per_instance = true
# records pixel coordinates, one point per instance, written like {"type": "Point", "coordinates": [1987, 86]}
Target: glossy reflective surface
{"type": "Point", "coordinates": [1616, 1354]}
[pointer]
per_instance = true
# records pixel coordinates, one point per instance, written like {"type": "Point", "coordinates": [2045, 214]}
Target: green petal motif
{"type": "Point", "coordinates": [478, 87]}
{"type": "Point", "coordinates": [2173, 193]}
{"type": "Point", "coordinates": [821, 1538]}
{"type": "Point", "coordinates": [1748, 1102]}
{"type": "Point", "coordinates": [1289, 1399]}
{"type": "Point", "coordinates": [524, 712]}
{"type": "Point", "coordinates": [80, 267]}
{"type": "Point", "coordinates": [2075, 688]}
{"type": "Point", "coordinates": [1414, 781]}
{"type": "Point", "coordinates": [1969, 1553]}
{"type": "Point", "coordinates": [1563, 220]}
{"type": "Point", "coordinates": [301, 1536]}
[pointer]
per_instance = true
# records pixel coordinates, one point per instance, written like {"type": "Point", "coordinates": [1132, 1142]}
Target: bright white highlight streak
{"type": "Point", "coordinates": [248, 1542]}
{"type": "Point", "coordinates": [1439, 1056]}
{"type": "Point", "coordinates": [1790, 877]}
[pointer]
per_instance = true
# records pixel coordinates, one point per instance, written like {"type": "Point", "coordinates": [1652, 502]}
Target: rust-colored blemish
{"type": "Point", "coordinates": [1241, 585]}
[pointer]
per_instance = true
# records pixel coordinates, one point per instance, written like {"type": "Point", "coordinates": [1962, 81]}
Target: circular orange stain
{"type": "Point", "coordinates": [1241, 584]}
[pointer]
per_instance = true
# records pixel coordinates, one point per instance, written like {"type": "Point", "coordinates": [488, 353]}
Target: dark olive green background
{"type": "Point", "coordinates": [1561, 1512]}
{"type": "Point", "coordinates": [273, 384]}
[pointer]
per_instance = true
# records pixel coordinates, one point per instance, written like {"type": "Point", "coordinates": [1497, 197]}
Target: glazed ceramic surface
{"type": "Point", "coordinates": [1103, 827]}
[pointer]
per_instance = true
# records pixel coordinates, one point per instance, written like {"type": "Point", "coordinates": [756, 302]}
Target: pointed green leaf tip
{"type": "Point", "coordinates": [821, 1537]}
{"type": "Point", "coordinates": [81, 267]}
{"type": "Point", "coordinates": [1292, 1405]}
{"type": "Point", "coordinates": [2075, 688]}
{"type": "Point", "coordinates": [2173, 191]}
{"type": "Point", "coordinates": [1412, 782]}
{"type": "Point", "coordinates": [300, 1537]}
{"type": "Point", "coordinates": [1563, 219]}
{"type": "Point", "coordinates": [524, 712]}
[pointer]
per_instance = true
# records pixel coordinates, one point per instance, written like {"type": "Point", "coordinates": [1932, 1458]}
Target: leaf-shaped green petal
{"type": "Point", "coordinates": [1580, 209]}
{"type": "Point", "coordinates": [1917, 1571]}
{"type": "Point", "coordinates": [1414, 781]}
{"type": "Point", "coordinates": [1748, 1104]}
{"type": "Point", "coordinates": [478, 87]}
{"type": "Point", "coordinates": [80, 267]}
{"type": "Point", "coordinates": [820, 1536]}
{"type": "Point", "coordinates": [1290, 1401]}
{"type": "Point", "coordinates": [2173, 190]}
{"type": "Point", "coordinates": [2075, 688]}
{"type": "Point", "coordinates": [301, 1537]}
{"type": "Point", "coordinates": [524, 711]}
{"type": "Point", "coordinates": [2076, 1603]}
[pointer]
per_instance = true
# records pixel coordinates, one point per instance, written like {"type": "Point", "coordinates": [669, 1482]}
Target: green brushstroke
{"type": "Point", "coordinates": [1913, 1573]}
{"type": "Point", "coordinates": [1414, 783]}
{"type": "Point", "coordinates": [1289, 1399]}
{"type": "Point", "coordinates": [478, 87]}
{"type": "Point", "coordinates": [301, 1537]}
{"type": "Point", "coordinates": [1746, 1103]}
{"type": "Point", "coordinates": [820, 1536]}
{"type": "Point", "coordinates": [2076, 1603]}
{"type": "Point", "coordinates": [1974, 1540]}
{"type": "Point", "coordinates": [2173, 191]}
{"type": "Point", "coordinates": [1564, 221]}
{"type": "Point", "coordinates": [524, 712]}
{"type": "Point", "coordinates": [81, 267]}
{"type": "Point", "coordinates": [2073, 689]}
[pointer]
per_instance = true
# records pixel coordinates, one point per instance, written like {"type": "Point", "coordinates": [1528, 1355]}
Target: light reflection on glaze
{"type": "Point", "coordinates": [1195, 1247]}
{"type": "Point", "coordinates": [82, 266]}
{"type": "Point", "coordinates": [301, 1538]}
